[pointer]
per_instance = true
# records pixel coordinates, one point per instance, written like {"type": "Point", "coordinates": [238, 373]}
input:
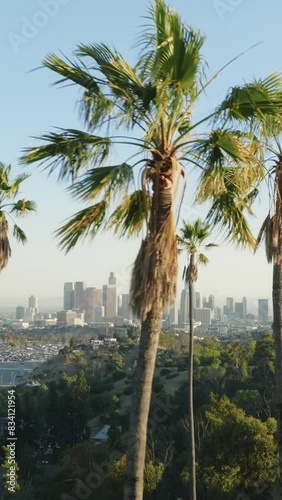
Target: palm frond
{"type": "Point", "coordinates": [103, 180]}
{"type": "Point", "coordinates": [22, 207]}
{"type": "Point", "coordinates": [84, 223]}
{"type": "Point", "coordinates": [253, 101]}
{"type": "Point", "coordinates": [19, 234]}
{"type": "Point", "coordinates": [203, 259]}
{"type": "Point", "coordinates": [68, 152]}
{"type": "Point", "coordinates": [131, 214]}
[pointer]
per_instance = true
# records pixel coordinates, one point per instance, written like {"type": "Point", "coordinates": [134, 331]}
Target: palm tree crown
{"type": "Point", "coordinates": [191, 240]}
{"type": "Point", "coordinates": [9, 189]}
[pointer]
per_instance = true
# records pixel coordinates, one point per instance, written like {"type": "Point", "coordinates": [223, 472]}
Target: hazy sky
{"type": "Point", "coordinates": [30, 106]}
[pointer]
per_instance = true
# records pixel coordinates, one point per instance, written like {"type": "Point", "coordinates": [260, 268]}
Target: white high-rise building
{"type": "Point", "coordinates": [110, 300]}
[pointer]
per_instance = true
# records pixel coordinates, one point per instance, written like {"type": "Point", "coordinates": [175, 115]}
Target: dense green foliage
{"type": "Point", "coordinates": [234, 419]}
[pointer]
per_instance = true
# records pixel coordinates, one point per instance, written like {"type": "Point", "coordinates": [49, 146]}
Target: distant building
{"type": "Point", "coordinates": [245, 312]}
{"type": "Point", "coordinates": [124, 307]}
{"type": "Point", "coordinates": [68, 296]}
{"type": "Point", "coordinates": [183, 318]}
{"type": "Point", "coordinates": [20, 312]}
{"type": "Point", "coordinates": [93, 299]}
{"type": "Point", "coordinates": [230, 305]}
{"type": "Point", "coordinates": [198, 301]}
{"type": "Point", "coordinates": [112, 279]}
{"type": "Point", "coordinates": [263, 310]}
{"type": "Point", "coordinates": [99, 314]}
{"type": "Point", "coordinates": [110, 300]}
{"type": "Point", "coordinates": [239, 310]}
{"type": "Point", "coordinates": [79, 295]}
{"type": "Point", "coordinates": [203, 315]}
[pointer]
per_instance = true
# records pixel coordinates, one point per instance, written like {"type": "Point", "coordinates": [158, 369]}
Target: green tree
{"type": "Point", "coordinates": [153, 102]}
{"type": "Point", "coordinates": [240, 454]}
{"type": "Point", "coordinates": [191, 240]}
{"type": "Point", "coordinates": [10, 208]}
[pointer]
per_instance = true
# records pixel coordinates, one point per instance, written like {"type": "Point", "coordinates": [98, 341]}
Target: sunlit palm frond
{"type": "Point", "coordinates": [84, 223]}
{"type": "Point", "coordinates": [131, 214]}
{"type": "Point", "coordinates": [173, 51]}
{"type": "Point", "coordinates": [253, 101]}
{"type": "Point", "coordinates": [22, 207]}
{"type": "Point", "coordinates": [68, 152]}
{"type": "Point", "coordinates": [105, 181]}
{"type": "Point", "coordinates": [227, 213]}
{"type": "Point", "coordinates": [203, 259]}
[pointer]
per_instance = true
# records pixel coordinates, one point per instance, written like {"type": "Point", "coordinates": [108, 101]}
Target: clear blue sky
{"type": "Point", "coordinates": [30, 105]}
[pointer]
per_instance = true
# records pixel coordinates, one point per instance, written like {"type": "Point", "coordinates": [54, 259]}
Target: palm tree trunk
{"type": "Point", "coordinates": [140, 405]}
{"type": "Point", "coordinates": [192, 461]}
{"type": "Point", "coordinates": [149, 287]}
{"type": "Point", "coordinates": [277, 331]}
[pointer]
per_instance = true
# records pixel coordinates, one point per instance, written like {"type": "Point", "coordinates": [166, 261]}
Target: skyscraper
{"type": "Point", "coordinates": [198, 302]}
{"type": "Point", "coordinates": [112, 279]}
{"type": "Point", "coordinates": [20, 312]}
{"type": "Point", "coordinates": [230, 305]}
{"type": "Point", "coordinates": [79, 295]}
{"type": "Point", "coordinates": [110, 300]}
{"type": "Point", "coordinates": [68, 296]}
{"type": "Point", "coordinates": [183, 318]}
{"type": "Point", "coordinates": [93, 299]}
{"type": "Point", "coordinates": [244, 302]}
{"type": "Point", "coordinates": [125, 309]}
{"type": "Point", "coordinates": [33, 303]}
{"type": "Point", "coordinates": [263, 310]}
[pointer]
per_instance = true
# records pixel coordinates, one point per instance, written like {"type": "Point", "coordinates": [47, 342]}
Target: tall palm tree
{"type": "Point", "coordinates": [223, 209]}
{"type": "Point", "coordinates": [271, 233]}
{"type": "Point", "coordinates": [10, 207]}
{"type": "Point", "coordinates": [152, 103]}
{"type": "Point", "coordinates": [191, 239]}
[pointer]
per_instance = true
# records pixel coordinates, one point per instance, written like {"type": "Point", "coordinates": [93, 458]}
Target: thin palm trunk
{"type": "Point", "coordinates": [192, 461]}
{"type": "Point", "coordinates": [156, 258]}
{"type": "Point", "coordinates": [277, 331]}
{"type": "Point", "coordinates": [140, 404]}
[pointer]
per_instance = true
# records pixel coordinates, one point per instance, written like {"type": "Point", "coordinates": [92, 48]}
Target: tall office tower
{"type": "Point", "coordinates": [198, 302]}
{"type": "Point", "coordinates": [183, 318]}
{"type": "Point", "coordinates": [124, 308]}
{"type": "Point", "coordinates": [211, 302]}
{"type": "Point", "coordinates": [93, 299]}
{"type": "Point", "coordinates": [68, 296]}
{"type": "Point", "coordinates": [33, 304]}
{"type": "Point", "coordinates": [244, 302]}
{"type": "Point", "coordinates": [263, 310]}
{"type": "Point", "coordinates": [110, 300]}
{"type": "Point", "coordinates": [79, 295]}
{"type": "Point", "coordinates": [229, 305]}
{"type": "Point", "coordinates": [239, 309]}
{"type": "Point", "coordinates": [20, 312]}
{"type": "Point", "coordinates": [112, 279]}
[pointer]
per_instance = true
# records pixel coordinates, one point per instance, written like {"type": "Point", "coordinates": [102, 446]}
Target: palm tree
{"type": "Point", "coordinates": [9, 190]}
{"type": "Point", "coordinates": [191, 240]}
{"type": "Point", "coordinates": [152, 103]}
{"type": "Point", "coordinates": [271, 233]}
